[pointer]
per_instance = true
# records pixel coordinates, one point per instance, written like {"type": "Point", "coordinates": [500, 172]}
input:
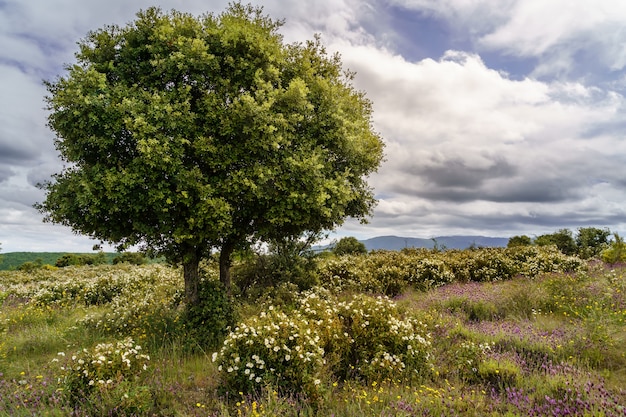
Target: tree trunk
{"type": "Point", "coordinates": [225, 263]}
{"type": "Point", "coordinates": [192, 278]}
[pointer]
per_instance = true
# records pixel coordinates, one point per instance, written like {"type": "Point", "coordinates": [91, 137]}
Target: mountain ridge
{"type": "Point", "coordinates": [443, 242]}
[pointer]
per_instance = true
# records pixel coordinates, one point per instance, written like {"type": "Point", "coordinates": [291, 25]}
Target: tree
{"type": "Point", "coordinates": [562, 239]}
{"type": "Point", "coordinates": [349, 245]}
{"type": "Point", "coordinates": [591, 241]}
{"type": "Point", "coordinates": [134, 258]}
{"type": "Point", "coordinates": [522, 240]}
{"type": "Point", "coordinates": [186, 134]}
{"type": "Point", "coordinates": [616, 252]}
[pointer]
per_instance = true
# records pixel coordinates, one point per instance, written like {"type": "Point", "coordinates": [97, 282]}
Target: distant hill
{"type": "Point", "coordinates": [448, 242]}
{"type": "Point", "coordinates": [12, 260]}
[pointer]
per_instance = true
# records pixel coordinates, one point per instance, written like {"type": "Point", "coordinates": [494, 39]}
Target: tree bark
{"type": "Point", "coordinates": [225, 264]}
{"type": "Point", "coordinates": [192, 278]}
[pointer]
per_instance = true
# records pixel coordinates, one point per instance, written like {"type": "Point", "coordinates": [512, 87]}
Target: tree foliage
{"type": "Point", "coordinates": [186, 134]}
{"type": "Point", "coordinates": [616, 252]}
{"type": "Point", "coordinates": [133, 258]}
{"type": "Point", "coordinates": [75, 259]}
{"type": "Point", "coordinates": [522, 240]}
{"type": "Point", "coordinates": [562, 239]}
{"type": "Point", "coordinates": [349, 245]}
{"type": "Point", "coordinates": [591, 241]}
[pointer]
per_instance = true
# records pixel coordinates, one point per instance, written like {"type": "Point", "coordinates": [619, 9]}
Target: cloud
{"type": "Point", "coordinates": [466, 145]}
{"type": "Point", "coordinates": [566, 35]}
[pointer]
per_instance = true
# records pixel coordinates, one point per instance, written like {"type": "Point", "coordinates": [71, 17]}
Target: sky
{"type": "Point", "coordinates": [500, 117]}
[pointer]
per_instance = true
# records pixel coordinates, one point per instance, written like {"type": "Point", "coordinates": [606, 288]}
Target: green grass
{"type": "Point", "coordinates": [514, 347]}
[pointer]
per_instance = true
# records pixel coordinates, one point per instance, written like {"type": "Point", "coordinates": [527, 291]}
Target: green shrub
{"type": "Point", "coordinates": [206, 323]}
{"type": "Point", "coordinates": [288, 262]}
{"type": "Point", "coordinates": [145, 308]}
{"type": "Point", "coordinates": [30, 266]}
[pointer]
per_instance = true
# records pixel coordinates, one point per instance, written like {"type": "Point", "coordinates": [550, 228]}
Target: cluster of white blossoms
{"type": "Point", "coordinates": [267, 349]}
{"type": "Point", "coordinates": [366, 335]}
{"type": "Point", "coordinates": [105, 364]}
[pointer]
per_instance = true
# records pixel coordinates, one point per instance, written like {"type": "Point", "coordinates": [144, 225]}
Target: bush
{"type": "Point", "coordinates": [287, 262]}
{"type": "Point", "coordinates": [377, 343]}
{"type": "Point", "coordinates": [101, 378]}
{"type": "Point", "coordinates": [468, 359]}
{"type": "Point", "coordinates": [364, 338]}
{"type": "Point", "coordinates": [275, 349]}
{"type": "Point", "coordinates": [206, 324]}
{"type": "Point", "coordinates": [30, 266]}
{"type": "Point", "coordinates": [145, 306]}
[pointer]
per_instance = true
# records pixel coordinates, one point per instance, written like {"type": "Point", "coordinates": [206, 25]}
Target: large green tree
{"type": "Point", "coordinates": [562, 239]}
{"type": "Point", "coordinates": [187, 134]}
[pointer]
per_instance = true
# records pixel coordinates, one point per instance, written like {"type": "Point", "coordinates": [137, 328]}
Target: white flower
{"type": "Point", "coordinates": [214, 357]}
{"type": "Point", "coordinates": [287, 357]}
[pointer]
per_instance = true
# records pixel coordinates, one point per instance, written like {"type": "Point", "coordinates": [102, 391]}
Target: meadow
{"type": "Point", "coordinates": [483, 332]}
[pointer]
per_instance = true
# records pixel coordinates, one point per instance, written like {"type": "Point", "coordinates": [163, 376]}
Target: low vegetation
{"type": "Point", "coordinates": [520, 331]}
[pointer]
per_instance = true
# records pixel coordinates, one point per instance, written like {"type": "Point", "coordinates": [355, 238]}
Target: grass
{"type": "Point", "coordinates": [551, 345]}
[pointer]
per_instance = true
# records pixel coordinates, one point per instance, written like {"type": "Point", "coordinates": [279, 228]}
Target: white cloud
{"type": "Point", "coordinates": [557, 31]}
{"type": "Point", "coordinates": [468, 146]}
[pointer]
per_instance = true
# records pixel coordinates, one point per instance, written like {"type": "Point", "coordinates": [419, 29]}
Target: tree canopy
{"type": "Point", "coordinates": [186, 134]}
{"type": "Point", "coordinates": [349, 245]}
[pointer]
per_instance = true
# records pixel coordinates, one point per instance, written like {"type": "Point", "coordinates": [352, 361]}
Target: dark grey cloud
{"type": "Point", "coordinates": [457, 173]}
{"type": "Point", "coordinates": [16, 152]}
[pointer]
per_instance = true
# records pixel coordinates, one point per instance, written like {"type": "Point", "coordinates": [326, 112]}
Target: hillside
{"type": "Point", "coordinates": [12, 260]}
{"type": "Point", "coordinates": [447, 242]}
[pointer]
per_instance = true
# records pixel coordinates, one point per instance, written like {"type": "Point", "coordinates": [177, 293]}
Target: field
{"type": "Point", "coordinates": [413, 333]}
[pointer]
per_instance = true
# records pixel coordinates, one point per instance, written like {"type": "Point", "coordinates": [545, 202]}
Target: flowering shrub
{"type": "Point", "coordinates": [362, 338]}
{"type": "Point", "coordinates": [144, 306]}
{"type": "Point", "coordinates": [377, 343]}
{"type": "Point", "coordinates": [272, 348]}
{"type": "Point", "coordinates": [388, 272]}
{"type": "Point", "coordinates": [98, 373]}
